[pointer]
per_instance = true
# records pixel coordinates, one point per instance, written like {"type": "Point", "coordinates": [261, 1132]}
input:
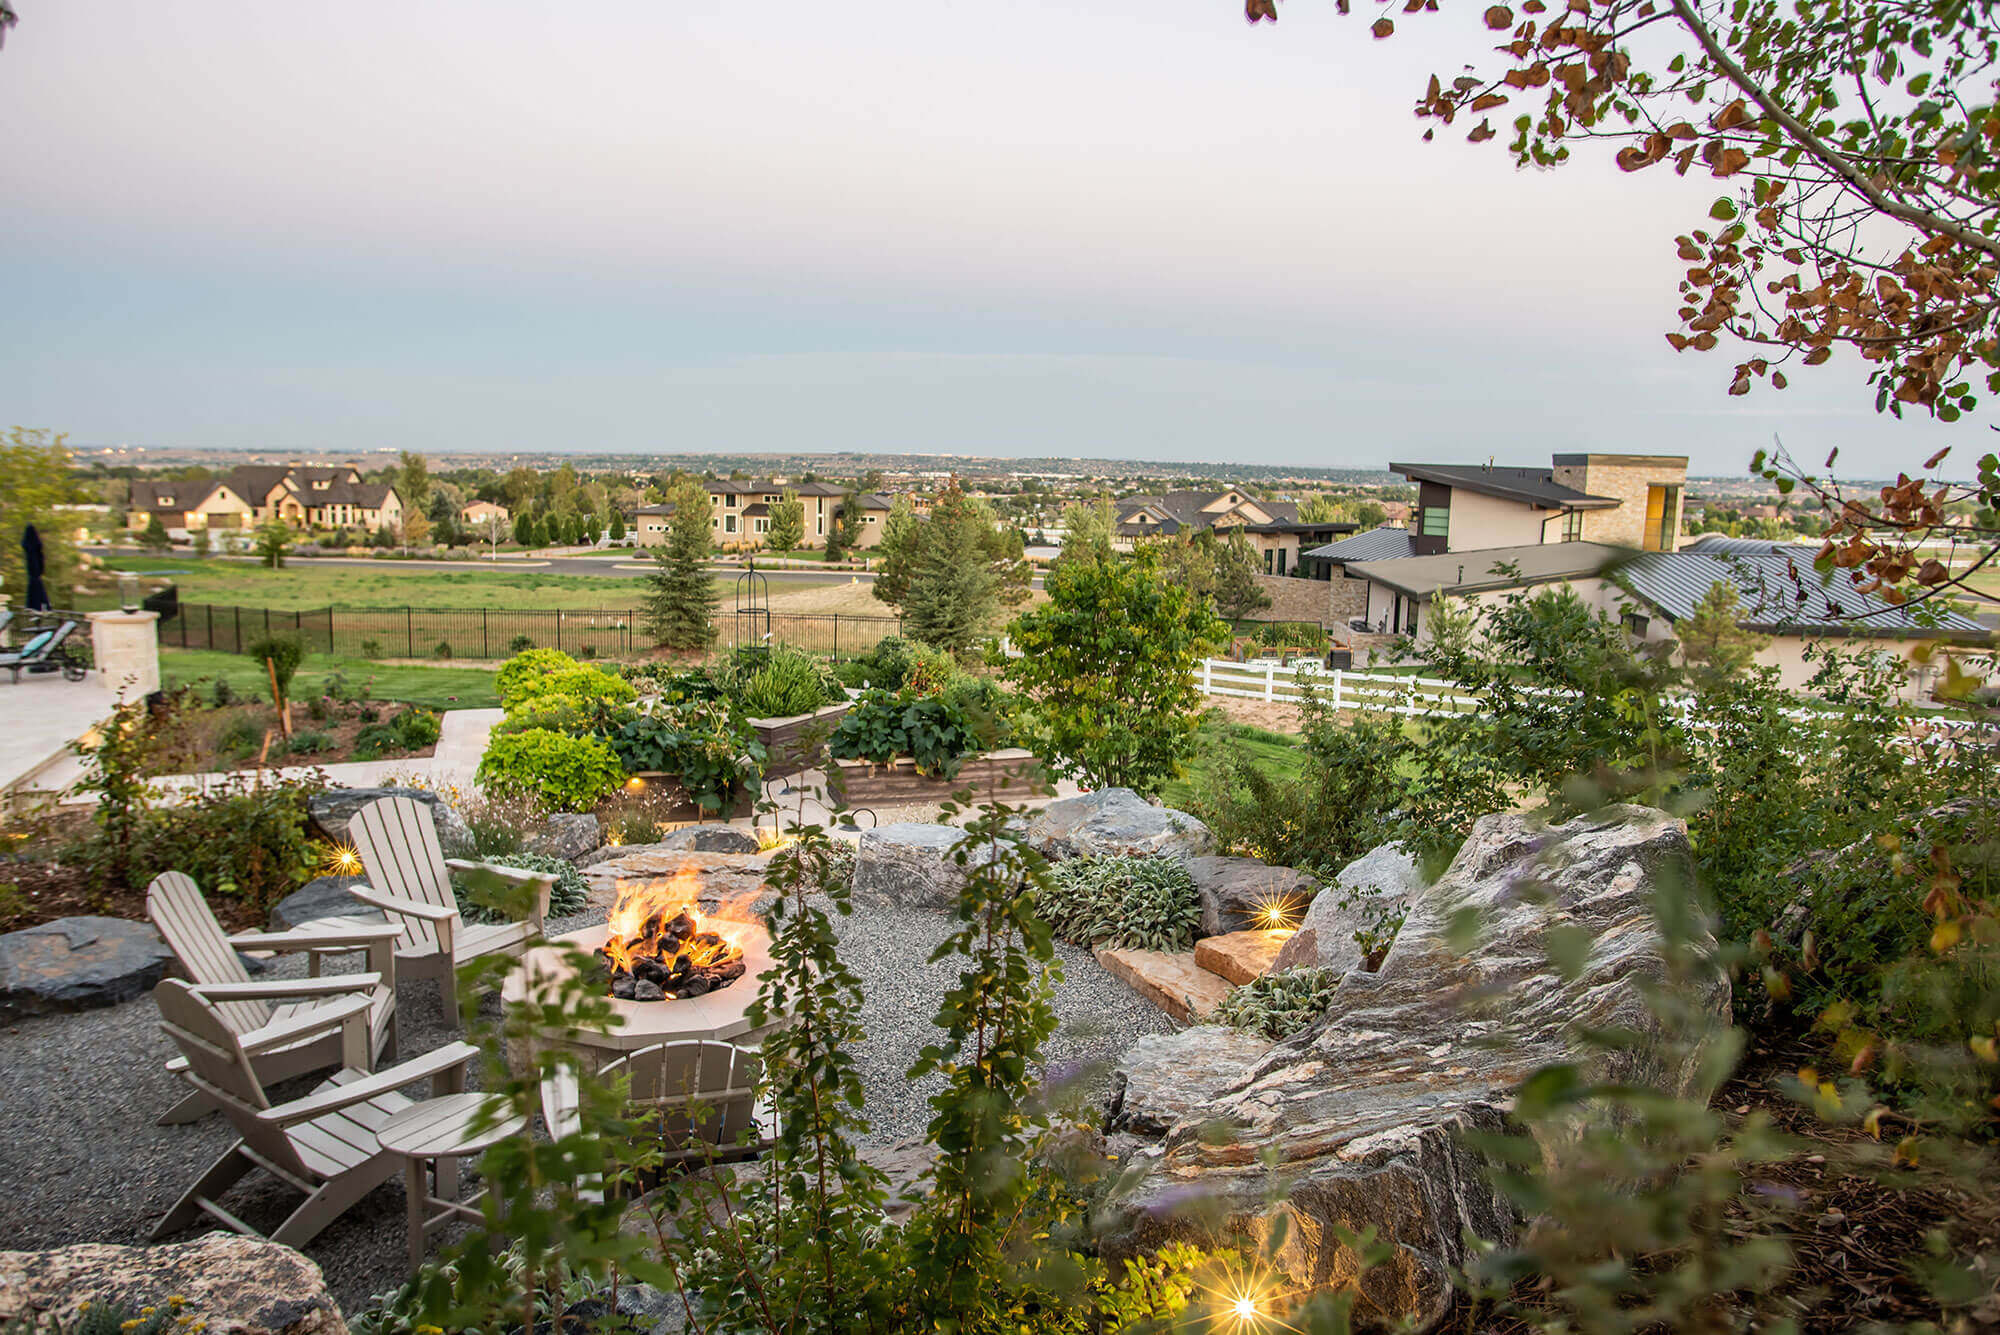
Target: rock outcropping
{"type": "Point", "coordinates": [1163, 1078]}
{"type": "Point", "coordinates": [331, 810]}
{"type": "Point", "coordinates": [1362, 1120]}
{"type": "Point", "coordinates": [78, 963]}
{"type": "Point", "coordinates": [1375, 884]}
{"type": "Point", "coordinates": [912, 864]}
{"type": "Point", "coordinates": [1115, 822]}
{"type": "Point", "coordinates": [1238, 894]}
{"type": "Point", "coordinates": [234, 1285]}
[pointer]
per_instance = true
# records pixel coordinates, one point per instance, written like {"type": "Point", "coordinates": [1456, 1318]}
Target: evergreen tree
{"type": "Point", "coordinates": [788, 523]}
{"type": "Point", "coordinates": [155, 538]}
{"type": "Point", "coordinates": [1088, 528]}
{"type": "Point", "coordinates": [617, 525]}
{"type": "Point", "coordinates": [1712, 641]}
{"type": "Point", "coordinates": [412, 481]}
{"type": "Point", "coordinates": [1237, 592]}
{"type": "Point", "coordinates": [680, 602]}
{"type": "Point", "coordinates": [526, 531]}
{"type": "Point", "coordinates": [953, 591]}
{"type": "Point", "coordinates": [274, 539]}
{"type": "Point", "coordinates": [899, 550]}
{"type": "Point", "coordinates": [593, 528]}
{"type": "Point", "coordinates": [845, 529]}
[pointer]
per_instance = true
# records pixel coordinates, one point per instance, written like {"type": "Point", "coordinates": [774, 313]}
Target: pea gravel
{"type": "Point", "coordinates": [82, 1158]}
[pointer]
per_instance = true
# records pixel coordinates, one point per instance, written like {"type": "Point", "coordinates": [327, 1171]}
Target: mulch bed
{"type": "Point", "coordinates": [198, 732]}
{"type": "Point", "coordinates": [51, 890]}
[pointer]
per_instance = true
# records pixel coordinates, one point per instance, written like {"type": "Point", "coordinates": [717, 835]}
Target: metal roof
{"type": "Point", "coordinates": [1485, 568]}
{"type": "Point", "coordinates": [1377, 544]}
{"type": "Point", "coordinates": [1721, 544]}
{"type": "Point", "coordinates": [1529, 486]}
{"type": "Point", "coordinates": [1780, 591]}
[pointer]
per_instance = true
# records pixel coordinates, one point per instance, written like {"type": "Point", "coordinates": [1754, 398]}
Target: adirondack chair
{"type": "Point", "coordinates": [322, 1144]}
{"type": "Point", "coordinates": [668, 1080]}
{"type": "Point", "coordinates": [409, 878]}
{"type": "Point", "coordinates": [208, 957]}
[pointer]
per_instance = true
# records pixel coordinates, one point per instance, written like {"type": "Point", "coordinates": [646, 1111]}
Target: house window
{"type": "Point", "coordinates": [1434, 521]}
{"type": "Point", "coordinates": [819, 521]}
{"type": "Point", "coordinates": [730, 500]}
{"type": "Point", "coordinates": [1663, 505]}
{"type": "Point", "coordinates": [1572, 526]}
{"type": "Point", "coordinates": [1637, 624]}
{"type": "Point", "coordinates": [729, 523]}
{"type": "Point", "coordinates": [1267, 560]}
{"type": "Point", "coordinates": [763, 526]}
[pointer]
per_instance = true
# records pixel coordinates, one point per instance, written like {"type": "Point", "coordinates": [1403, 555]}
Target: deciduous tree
{"type": "Point", "coordinates": [34, 479]}
{"type": "Point", "coordinates": [1712, 640]}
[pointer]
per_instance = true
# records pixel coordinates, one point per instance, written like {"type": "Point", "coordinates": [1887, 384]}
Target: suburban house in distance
{"type": "Point", "coordinates": [1607, 527]}
{"type": "Point", "coordinates": [1273, 527]}
{"type": "Point", "coordinates": [305, 496]}
{"type": "Point", "coordinates": [740, 514]}
{"type": "Point", "coordinates": [481, 512]}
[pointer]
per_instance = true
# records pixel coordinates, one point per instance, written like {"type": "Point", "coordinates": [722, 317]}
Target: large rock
{"type": "Point", "coordinates": [1241, 893]}
{"type": "Point", "coordinates": [1362, 1120]}
{"type": "Point", "coordinates": [719, 878]}
{"type": "Point", "coordinates": [710, 839]}
{"type": "Point", "coordinates": [228, 1284]}
{"type": "Point", "coordinates": [1163, 1078]}
{"type": "Point", "coordinates": [77, 963]}
{"type": "Point", "coordinates": [331, 811]}
{"type": "Point", "coordinates": [1115, 822]}
{"type": "Point", "coordinates": [1374, 887]}
{"type": "Point", "coordinates": [912, 864]}
{"type": "Point", "coordinates": [321, 897]}
{"type": "Point", "coordinates": [1240, 957]}
{"type": "Point", "coordinates": [570, 835]}
{"type": "Point", "coordinates": [1170, 979]}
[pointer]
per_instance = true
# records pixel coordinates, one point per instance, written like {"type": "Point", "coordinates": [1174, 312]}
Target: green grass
{"type": "Point", "coordinates": [1274, 754]}
{"type": "Point", "coordinates": [303, 585]}
{"type": "Point", "coordinates": [433, 687]}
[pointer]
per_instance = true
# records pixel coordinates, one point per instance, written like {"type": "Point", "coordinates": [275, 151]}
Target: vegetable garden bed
{"type": "Point", "coordinates": [799, 742]}
{"type": "Point", "coordinates": [1009, 775]}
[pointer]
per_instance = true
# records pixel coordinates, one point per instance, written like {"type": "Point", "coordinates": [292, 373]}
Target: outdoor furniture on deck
{"type": "Point", "coordinates": [46, 647]}
{"type": "Point", "coordinates": [323, 1144]}
{"type": "Point", "coordinates": [208, 957]}
{"type": "Point", "coordinates": [409, 879]}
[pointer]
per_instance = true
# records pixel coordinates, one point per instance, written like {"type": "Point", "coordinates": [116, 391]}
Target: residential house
{"type": "Point", "coordinates": [306, 496]}
{"type": "Point", "coordinates": [188, 507]}
{"type": "Point", "coordinates": [483, 512]}
{"type": "Point", "coordinates": [1272, 527]}
{"type": "Point", "coordinates": [740, 512]}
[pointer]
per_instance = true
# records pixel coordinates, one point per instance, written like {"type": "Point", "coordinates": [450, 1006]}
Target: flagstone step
{"type": "Point", "coordinates": [1170, 980]}
{"type": "Point", "coordinates": [1240, 957]}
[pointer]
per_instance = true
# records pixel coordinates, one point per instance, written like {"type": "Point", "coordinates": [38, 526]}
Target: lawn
{"type": "Point", "coordinates": [433, 687]}
{"type": "Point", "coordinates": [1273, 754]}
{"type": "Point", "coordinates": [303, 585]}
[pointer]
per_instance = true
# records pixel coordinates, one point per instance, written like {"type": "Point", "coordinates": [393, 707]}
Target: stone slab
{"type": "Point", "coordinates": [721, 878]}
{"type": "Point", "coordinates": [1116, 822]}
{"type": "Point", "coordinates": [1163, 1078]}
{"type": "Point", "coordinates": [1241, 957]}
{"type": "Point", "coordinates": [227, 1284]}
{"type": "Point", "coordinates": [1170, 980]}
{"type": "Point", "coordinates": [1376, 884]}
{"type": "Point", "coordinates": [321, 897]}
{"type": "Point", "coordinates": [79, 963]}
{"type": "Point", "coordinates": [1239, 893]}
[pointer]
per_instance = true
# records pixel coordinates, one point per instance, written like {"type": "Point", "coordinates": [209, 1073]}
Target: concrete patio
{"type": "Point", "coordinates": [39, 717]}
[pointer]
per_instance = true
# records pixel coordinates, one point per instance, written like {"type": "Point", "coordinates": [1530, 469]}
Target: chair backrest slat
{"type": "Point", "coordinates": [217, 1061]}
{"type": "Point", "coordinates": [183, 919]}
{"type": "Point", "coordinates": [669, 1076]}
{"type": "Point", "coordinates": [400, 854]}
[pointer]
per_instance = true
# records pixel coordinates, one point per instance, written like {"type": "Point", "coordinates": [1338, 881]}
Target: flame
{"type": "Point", "coordinates": [638, 920]}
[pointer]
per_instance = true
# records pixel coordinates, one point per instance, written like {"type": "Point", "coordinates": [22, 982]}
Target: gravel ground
{"type": "Point", "coordinates": [82, 1159]}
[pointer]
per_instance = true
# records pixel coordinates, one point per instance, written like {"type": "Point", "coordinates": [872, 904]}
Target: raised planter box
{"type": "Point", "coordinates": [799, 742]}
{"type": "Point", "coordinates": [1008, 775]}
{"type": "Point", "coordinates": [684, 808]}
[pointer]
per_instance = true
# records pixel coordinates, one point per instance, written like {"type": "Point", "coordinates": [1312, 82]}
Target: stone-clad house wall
{"type": "Point", "coordinates": [1627, 480]}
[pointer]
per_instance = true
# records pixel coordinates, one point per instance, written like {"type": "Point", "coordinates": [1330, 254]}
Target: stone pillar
{"type": "Point", "coordinates": [126, 646]}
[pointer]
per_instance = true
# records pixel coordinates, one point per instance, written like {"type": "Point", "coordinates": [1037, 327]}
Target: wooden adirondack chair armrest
{"type": "Point", "coordinates": [432, 1064]}
{"type": "Point", "coordinates": [313, 938]}
{"type": "Point", "coordinates": [311, 1024]}
{"type": "Point", "coordinates": [518, 876]}
{"type": "Point", "coordinates": [293, 989]}
{"type": "Point", "coordinates": [396, 904]}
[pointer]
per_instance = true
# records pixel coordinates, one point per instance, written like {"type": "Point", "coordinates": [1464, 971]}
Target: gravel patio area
{"type": "Point", "coordinates": [82, 1160]}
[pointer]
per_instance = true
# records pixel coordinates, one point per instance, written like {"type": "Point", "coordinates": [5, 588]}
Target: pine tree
{"type": "Point", "coordinates": [680, 603]}
{"type": "Point", "coordinates": [1237, 592]}
{"type": "Point", "coordinates": [526, 532]}
{"type": "Point", "coordinates": [953, 590]}
{"type": "Point", "coordinates": [155, 538]}
{"type": "Point", "coordinates": [845, 528]}
{"type": "Point", "coordinates": [617, 525]}
{"type": "Point", "coordinates": [1711, 639]}
{"type": "Point", "coordinates": [899, 551]}
{"type": "Point", "coordinates": [788, 523]}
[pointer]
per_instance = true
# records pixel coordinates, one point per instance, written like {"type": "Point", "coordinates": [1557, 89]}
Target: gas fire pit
{"type": "Point", "coordinates": [672, 969]}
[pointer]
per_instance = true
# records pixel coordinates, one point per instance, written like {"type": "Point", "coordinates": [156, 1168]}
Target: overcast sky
{"type": "Point", "coordinates": [1139, 228]}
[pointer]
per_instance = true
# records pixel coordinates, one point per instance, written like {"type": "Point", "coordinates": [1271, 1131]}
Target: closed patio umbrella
{"type": "Point", "coordinates": [31, 552]}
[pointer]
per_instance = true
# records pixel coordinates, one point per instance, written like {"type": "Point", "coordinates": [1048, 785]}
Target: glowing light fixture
{"type": "Point", "coordinates": [342, 860]}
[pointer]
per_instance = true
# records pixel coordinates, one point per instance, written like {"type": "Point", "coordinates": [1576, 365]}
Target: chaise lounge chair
{"type": "Point", "coordinates": [45, 646]}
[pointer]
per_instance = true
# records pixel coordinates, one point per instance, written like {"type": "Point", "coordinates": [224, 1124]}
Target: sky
{"type": "Point", "coordinates": [1136, 229]}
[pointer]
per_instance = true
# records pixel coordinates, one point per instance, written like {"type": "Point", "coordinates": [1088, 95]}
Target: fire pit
{"type": "Point", "coordinates": [674, 969]}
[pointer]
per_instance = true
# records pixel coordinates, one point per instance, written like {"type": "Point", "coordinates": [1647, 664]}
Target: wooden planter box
{"type": "Point", "coordinates": [799, 742]}
{"type": "Point", "coordinates": [684, 808]}
{"type": "Point", "coordinates": [1008, 775]}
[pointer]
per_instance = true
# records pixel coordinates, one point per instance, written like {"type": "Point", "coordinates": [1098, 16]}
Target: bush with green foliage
{"type": "Point", "coordinates": [1108, 664]}
{"type": "Point", "coordinates": [245, 839]}
{"type": "Point", "coordinates": [372, 649]}
{"type": "Point", "coordinates": [568, 897]}
{"type": "Point", "coordinates": [895, 662]}
{"type": "Point", "coordinates": [375, 741]}
{"type": "Point", "coordinates": [308, 741]}
{"type": "Point", "coordinates": [1140, 903]}
{"type": "Point", "coordinates": [418, 728]}
{"type": "Point", "coordinates": [1278, 1005]}
{"type": "Point", "coordinates": [284, 654]}
{"type": "Point", "coordinates": [784, 682]}
{"type": "Point", "coordinates": [562, 713]}
{"type": "Point", "coordinates": [712, 754]}
{"type": "Point", "coordinates": [565, 773]}
{"type": "Point", "coordinates": [240, 738]}
{"type": "Point", "coordinates": [515, 679]}
{"type": "Point", "coordinates": [520, 644]}
{"type": "Point", "coordinates": [880, 726]}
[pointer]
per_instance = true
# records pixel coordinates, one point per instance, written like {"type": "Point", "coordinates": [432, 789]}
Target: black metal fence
{"type": "Point", "coordinates": [491, 633]}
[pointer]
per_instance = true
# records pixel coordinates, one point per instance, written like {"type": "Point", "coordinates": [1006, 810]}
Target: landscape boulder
{"type": "Point", "coordinates": [1115, 822]}
{"type": "Point", "coordinates": [1368, 890]}
{"type": "Point", "coordinates": [321, 897]}
{"type": "Point", "coordinates": [1163, 1078]}
{"type": "Point", "coordinates": [228, 1284]}
{"type": "Point", "coordinates": [911, 864]}
{"type": "Point", "coordinates": [736, 879]}
{"type": "Point", "coordinates": [570, 835]}
{"type": "Point", "coordinates": [1363, 1119]}
{"type": "Point", "coordinates": [330, 812]}
{"type": "Point", "coordinates": [710, 839]}
{"type": "Point", "coordinates": [78, 963]}
{"type": "Point", "coordinates": [1237, 893]}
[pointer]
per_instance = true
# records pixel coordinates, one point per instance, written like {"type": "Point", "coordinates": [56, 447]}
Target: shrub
{"type": "Point", "coordinates": [578, 682]}
{"type": "Point", "coordinates": [284, 654]}
{"type": "Point", "coordinates": [1279, 1005]}
{"type": "Point", "coordinates": [588, 651]}
{"type": "Point", "coordinates": [567, 773]}
{"type": "Point", "coordinates": [308, 741]}
{"type": "Point", "coordinates": [712, 754]}
{"type": "Point", "coordinates": [499, 825]}
{"type": "Point", "coordinates": [1129, 902]}
{"type": "Point", "coordinates": [373, 741]}
{"type": "Point", "coordinates": [316, 709]}
{"type": "Point", "coordinates": [221, 694]}
{"type": "Point", "coordinates": [246, 840]}
{"type": "Point", "coordinates": [442, 649]}
{"type": "Point", "coordinates": [987, 708]}
{"type": "Point", "coordinates": [788, 682]}
{"type": "Point", "coordinates": [569, 896]}
{"type": "Point", "coordinates": [241, 737]}
{"type": "Point", "coordinates": [564, 713]}
{"type": "Point", "coordinates": [371, 649]}
{"type": "Point", "coordinates": [520, 644]}
{"type": "Point", "coordinates": [515, 677]}
{"type": "Point", "coordinates": [882, 726]}
{"type": "Point", "coordinates": [418, 728]}
{"type": "Point", "coordinates": [895, 662]}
